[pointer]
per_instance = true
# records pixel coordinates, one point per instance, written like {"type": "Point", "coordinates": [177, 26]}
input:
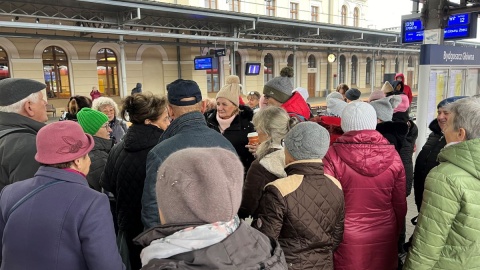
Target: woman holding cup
{"type": "Point", "coordinates": [233, 120]}
{"type": "Point", "coordinates": [272, 124]}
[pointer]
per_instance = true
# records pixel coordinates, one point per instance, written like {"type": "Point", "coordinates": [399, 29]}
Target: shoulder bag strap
{"type": "Point", "coordinates": [31, 193]}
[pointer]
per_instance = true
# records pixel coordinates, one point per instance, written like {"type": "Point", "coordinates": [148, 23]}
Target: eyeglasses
{"type": "Point", "coordinates": [106, 126]}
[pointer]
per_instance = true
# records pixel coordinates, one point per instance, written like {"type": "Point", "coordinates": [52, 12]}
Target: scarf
{"type": "Point", "coordinates": [223, 124]}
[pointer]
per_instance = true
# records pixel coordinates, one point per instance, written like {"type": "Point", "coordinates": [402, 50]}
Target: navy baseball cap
{"type": "Point", "coordinates": [449, 100]}
{"type": "Point", "coordinates": [180, 89]}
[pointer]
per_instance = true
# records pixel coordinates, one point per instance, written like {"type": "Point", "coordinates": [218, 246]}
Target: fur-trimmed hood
{"type": "Point", "coordinates": [275, 163]}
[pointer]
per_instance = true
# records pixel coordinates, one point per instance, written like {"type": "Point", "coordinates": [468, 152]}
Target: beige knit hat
{"type": "Point", "coordinates": [231, 89]}
{"type": "Point", "coordinates": [387, 88]}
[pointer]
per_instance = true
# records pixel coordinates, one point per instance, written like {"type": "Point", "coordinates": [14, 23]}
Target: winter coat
{"type": "Point", "coordinates": [64, 226]}
{"type": "Point", "coordinates": [188, 130]}
{"type": "Point", "coordinates": [119, 128]}
{"type": "Point", "coordinates": [124, 176]}
{"type": "Point", "coordinates": [305, 212]}
{"type": "Point", "coordinates": [332, 124]}
{"type": "Point", "coordinates": [245, 249]}
{"type": "Point", "coordinates": [95, 94]}
{"type": "Point", "coordinates": [296, 106]}
{"type": "Point", "coordinates": [261, 172]}
{"type": "Point", "coordinates": [137, 89]}
{"type": "Point", "coordinates": [447, 235]}
{"type": "Point", "coordinates": [426, 160]}
{"type": "Point", "coordinates": [237, 132]}
{"type": "Point", "coordinates": [98, 157]}
{"type": "Point", "coordinates": [17, 150]}
{"type": "Point", "coordinates": [395, 133]}
{"type": "Point", "coordinates": [406, 89]}
{"type": "Point", "coordinates": [373, 181]}
{"type": "Point", "coordinates": [406, 154]}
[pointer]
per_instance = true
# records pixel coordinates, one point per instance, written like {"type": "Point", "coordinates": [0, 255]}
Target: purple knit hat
{"type": "Point", "coordinates": [62, 142]}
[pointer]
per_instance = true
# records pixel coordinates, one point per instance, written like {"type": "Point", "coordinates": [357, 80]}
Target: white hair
{"type": "Point", "coordinates": [18, 106]}
{"type": "Point", "coordinates": [465, 114]}
{"type": "Point", "coordinates": [101, 102]}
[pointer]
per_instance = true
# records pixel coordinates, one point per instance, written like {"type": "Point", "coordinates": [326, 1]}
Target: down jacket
{"type": "Point", "coordinates": [98, 156]}
{"type": "Point", "coordinates": [426, 160]}
{"type": "Point", "coordinates": [237, 132]}
{"type": "Point", "coordinates": [246, 249]}
{"type": "Point", "coordinates": [373, 182]}
{"type": "Point", "coordinates": [447, 235]}
{"type": "Point", "coordinates": [305, 212]}
{"type": "Point", "coordinates": [296, 106]}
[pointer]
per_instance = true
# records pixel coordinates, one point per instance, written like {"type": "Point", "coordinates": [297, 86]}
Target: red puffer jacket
{"type": "Point", "coordinates": [297, 105]}
{"type": "Point", "coordinates": [373, 181]}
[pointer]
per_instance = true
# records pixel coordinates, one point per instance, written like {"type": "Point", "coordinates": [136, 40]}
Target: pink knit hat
{"type": "Point", "coordinates": [62, 142]}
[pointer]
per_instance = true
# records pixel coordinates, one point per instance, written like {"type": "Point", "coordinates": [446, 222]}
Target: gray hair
{"type": "Point", "coordinates": [18, 106]}
{"type": "Point", "coordinates": [100, 102]}
{"type": "Point", "coordinates": [275, 123]}
{"type": "Point", "coordinates": [465, 113]}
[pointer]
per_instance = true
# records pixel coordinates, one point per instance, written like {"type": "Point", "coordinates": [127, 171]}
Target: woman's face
{"type": "Point", "coordinates": [225, 108]}
{"type": "Point", "coordinates": [252, 101]}
{"type": "Point", "coordinates": [452, 135]}
{"type": "Point", "coordinates": [162, 122]}
{"type": "Point", "coordinates": [83, 164]}
{"type": "Point", "coordinates": [104, 131]}
{"type": "Point", "coordinates": [108, 111]}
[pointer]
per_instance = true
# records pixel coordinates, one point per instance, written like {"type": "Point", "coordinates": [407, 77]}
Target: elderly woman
{"type": "Point", "coordinates": [109, 107]}
{"type": "Point", "coordinates": [75, 104]}
{"type": "Point", "coordinates": [305, 210]}
{"type": "Point", "coordinates": [54, 220]}
{"type": "Point", "coordinates": [447, 233]}
{"type": "Point", "coordinates": [272, 124]}
{"type": "Point", "coordinates": [125, 171]}
{"type": "Point", "coordinates": [233, 120]}
{"type": "Point", "coordinates": [373, 181]}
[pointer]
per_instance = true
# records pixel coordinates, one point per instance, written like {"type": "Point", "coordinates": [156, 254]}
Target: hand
{"type": "Point", "coordinates": [252, 148]}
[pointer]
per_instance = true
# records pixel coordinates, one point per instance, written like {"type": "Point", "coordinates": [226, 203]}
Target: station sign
{"type": "Point", "coordinates": [459, 26]}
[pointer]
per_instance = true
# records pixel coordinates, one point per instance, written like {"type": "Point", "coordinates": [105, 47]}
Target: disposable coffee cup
{"type": "Point", "coordinates": [253, 138]}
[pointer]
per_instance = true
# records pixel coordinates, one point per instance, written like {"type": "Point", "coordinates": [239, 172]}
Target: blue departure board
{"type": "Point", "coordinates": [459, 26]}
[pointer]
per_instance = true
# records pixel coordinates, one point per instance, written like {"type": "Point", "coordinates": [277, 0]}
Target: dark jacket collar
{"type": "Point", "coordinates": [15, 120]}
{"type": "Point", "coordinates": [184, 122]}
{"type": "Point", "coordinates": [305, 167]}
{"type": "Point", "coordinates": [244, 113]}
{"type": "Point", "coordinates": [139, 137]}
{"type": "Point", "coordinates": [435, 127]}
{"type": "Point", "coordinates": [60, 174]}
{"type": "Point", "coordinates": [102, 144]}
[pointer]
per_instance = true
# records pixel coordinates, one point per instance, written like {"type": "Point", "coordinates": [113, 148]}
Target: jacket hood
{"type": "Point", "coordinates": [463, 155]}
{"type": "Point", "coordinates": [435, 127]}
{"type": "Point", "coordinates": [296, 104]}
{"type": "Point", "coordinates": [400, 75]}
{"type": "Point", "coordinates": [361, 149]}
{"type": "Point", "coordinates": [139, 137]}
{"type": "Point", "coordinates": [275, 163]}
{"type": "Point", "coordinates": [394, 85]}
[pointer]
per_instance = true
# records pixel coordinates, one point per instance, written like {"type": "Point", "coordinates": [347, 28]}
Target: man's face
{"type": "Point", "coordinates": [442, 117]}
{"type": "Point", "coordinates": [272, 102]}
{"type": "Point", "coordinates": [39, 109]}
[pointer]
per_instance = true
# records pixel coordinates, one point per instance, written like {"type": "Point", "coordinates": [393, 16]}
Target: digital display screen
{"type": "Point", "coordinates": [252, 68]}
{"type": "Point", "coordinates": [459, 26]}
{"type": "Point", "coordinates": [202, 63]}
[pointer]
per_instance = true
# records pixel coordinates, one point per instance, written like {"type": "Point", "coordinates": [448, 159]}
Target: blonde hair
{"type": "Point", "coordinates": [101, 102]}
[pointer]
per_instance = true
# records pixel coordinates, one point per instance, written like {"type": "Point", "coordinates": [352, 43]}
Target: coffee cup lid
{"type": "Point", "coordinates": [252, 134]}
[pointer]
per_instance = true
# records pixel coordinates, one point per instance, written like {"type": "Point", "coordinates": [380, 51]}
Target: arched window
{"type": "Point", "coordinates": [353, 78]}
{"type": "Point", "coordinates": [312, 62]}
{"type": "Point", "coordinates": [290, 60]}
{"type": "Point", "coordinates": [107, 70]}
{"type": "Point", "coordinates": [344, 15]}
{"type": "Point", "coordinates": [343, 63]}
{"type": "Point", "coordinates": [368, 71]}
{"type": "Point", "coordinates": [356, 17]}
{"type": "Point", "coordinates": [4, 71]}
{"type": "Point", "coordinates": [410, 61]}
{"type": "Point", "coordinates": [268, 68]}
{"type": "Point", "coordinates": [238, 65]}
{"type": "Point", "coordinates": [55, 72]}
{"type": "Point", "coordinates": [396, 64]}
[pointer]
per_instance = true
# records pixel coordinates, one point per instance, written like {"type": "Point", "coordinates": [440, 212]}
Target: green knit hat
{"type": "Point", "coordinates": [91, 120]}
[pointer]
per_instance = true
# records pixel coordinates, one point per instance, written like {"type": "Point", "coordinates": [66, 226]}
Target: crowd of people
{"type": "Point", "coordinates": [177, 182]}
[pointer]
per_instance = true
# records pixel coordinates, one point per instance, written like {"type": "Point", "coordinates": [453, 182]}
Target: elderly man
{"type": "Point", "coordinates": [188, 129]}
{"type": "Point", "coordinates": [22, 114]}
{"type": "Point", "coordinates": [447, 235]}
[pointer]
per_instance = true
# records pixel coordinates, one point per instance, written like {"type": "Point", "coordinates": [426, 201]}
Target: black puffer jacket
{"type": "Point", "coordinates": [406, 154]}
{"type": "Point", "coordinates": [427, 159]}
{"type": "Point", "coordinates": [394, 132]}
{"type": "Point", "coordinates": [237, 132]}
{"type": "Point", "coordinates": [125, 172]}
{"type": "Point", "coordinates": [98, 156]}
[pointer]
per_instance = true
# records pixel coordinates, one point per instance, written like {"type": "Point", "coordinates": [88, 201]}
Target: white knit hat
{"type": "Point", "coordinates": [384, 107]}
{"type": "Point", "coordinates": [359, 116]}
{"type": "Point", "coordinates": [231, 89]}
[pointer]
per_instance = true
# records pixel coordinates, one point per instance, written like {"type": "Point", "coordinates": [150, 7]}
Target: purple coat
{"type": "Point", "coordinates": [65, 226]}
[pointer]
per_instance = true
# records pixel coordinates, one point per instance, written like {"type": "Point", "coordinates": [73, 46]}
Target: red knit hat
{"type": "Point", "coordinates": [62, 142]}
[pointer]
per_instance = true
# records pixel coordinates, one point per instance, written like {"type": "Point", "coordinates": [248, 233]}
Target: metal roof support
{"type": "Point", "coordinates": [123, 69]}
{"type": "Point", "coordinates": [125, 32]}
